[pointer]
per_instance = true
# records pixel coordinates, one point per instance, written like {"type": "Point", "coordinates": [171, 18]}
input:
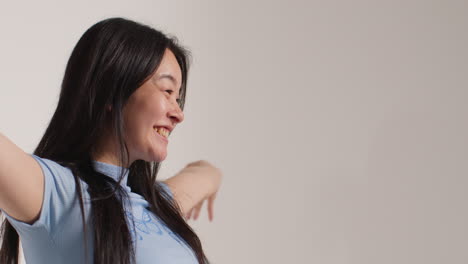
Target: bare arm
{"type": "Point", "coordinates": [21, 182]}
{"type": "Point", "coordinates": [195, 183]}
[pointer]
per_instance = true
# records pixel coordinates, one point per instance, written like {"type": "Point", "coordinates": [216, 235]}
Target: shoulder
{"type": "Point", "coordinates": [58, 174]}
{"type": "Point", "coordinates": [59, 198]}
{"type": "Point", "coordinates": [165, 189]}
{"type": "Point", "coordinates": [53, 167]}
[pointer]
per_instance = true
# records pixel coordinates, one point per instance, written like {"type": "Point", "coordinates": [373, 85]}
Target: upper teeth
{"type": "Point", "coordinates": [162, 131]}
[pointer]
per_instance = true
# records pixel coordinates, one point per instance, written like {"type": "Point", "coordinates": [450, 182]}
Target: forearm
{"type": "Point", "coordinates": [192, 185]}
{"type": "Point", "coordinates": [188, 189]}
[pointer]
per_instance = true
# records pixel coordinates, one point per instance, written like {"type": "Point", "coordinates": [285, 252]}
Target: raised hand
{"type": "Point", "coordinates": [196, 182]}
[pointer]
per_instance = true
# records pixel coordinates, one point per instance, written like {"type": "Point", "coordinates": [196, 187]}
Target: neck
{"type": "Point", "coordinates": [107, 153]}
{"type": "Point", "coordinates": [110, 159]}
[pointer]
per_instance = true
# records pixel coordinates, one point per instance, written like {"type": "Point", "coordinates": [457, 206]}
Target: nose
{"type": "Point", "coordinates": [176, 114]}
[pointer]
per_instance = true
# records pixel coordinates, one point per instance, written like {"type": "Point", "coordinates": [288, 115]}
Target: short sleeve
{"type": "Point", "coordinates": [166, 188]}
{"type": "Point", "coordinates": [59, 195]}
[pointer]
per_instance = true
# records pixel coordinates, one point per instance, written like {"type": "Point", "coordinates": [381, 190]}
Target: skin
{"type": "Point", "coordinates": [155, 104]}
{"type": "Point", "coordinates": [152, 104]}
{"type": "Point", "coordinates": [197, 182]}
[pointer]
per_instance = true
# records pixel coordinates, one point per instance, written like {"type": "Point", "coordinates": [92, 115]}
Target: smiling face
{"type": "Point", "coordinates": [152, 106]}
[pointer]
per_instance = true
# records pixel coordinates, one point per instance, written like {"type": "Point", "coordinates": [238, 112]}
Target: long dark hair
{"type": "Point", "coordinates": [110, 61]}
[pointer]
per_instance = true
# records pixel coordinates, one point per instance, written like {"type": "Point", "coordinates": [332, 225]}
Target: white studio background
{"type": "Point", "coordinates": [340, 126]}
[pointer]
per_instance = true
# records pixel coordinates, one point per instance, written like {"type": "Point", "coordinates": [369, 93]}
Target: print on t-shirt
{"type": "Point", "coordinates": [148, 224]}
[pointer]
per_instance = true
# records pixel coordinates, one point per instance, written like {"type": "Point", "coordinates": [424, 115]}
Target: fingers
{"type": "Point", "coordinates": [189, 214]}
{"type": "Point", "coordinates": [194, 212]}
{"type": "Point", "coordinates": [210, 206]}
{"type": "Point", "coordinates": [197, 210]}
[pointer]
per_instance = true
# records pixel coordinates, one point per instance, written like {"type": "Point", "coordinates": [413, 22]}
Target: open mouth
{"type": "Point", "coordinates": [162, 132]}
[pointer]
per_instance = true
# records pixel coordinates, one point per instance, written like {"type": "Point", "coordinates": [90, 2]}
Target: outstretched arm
{"type": "Point", "coordinates": [197, 182]}
{"type": "Point", "coordinates": [21, 182]}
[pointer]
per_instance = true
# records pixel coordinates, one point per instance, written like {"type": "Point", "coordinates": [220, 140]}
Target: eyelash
{"type": "Point", "coordinates": [171, 91]}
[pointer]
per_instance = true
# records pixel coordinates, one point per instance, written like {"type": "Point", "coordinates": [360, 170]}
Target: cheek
{"type": "Point", "coordinates": [139, 112]}
{"type": "Point", "coordinates": [136, 122]}
{"type": "Point", "coordinates": [155, 109]}
{"type": "Point", "coordinates": [142, 114]}
{"type": "Point", "coordinates": [141, 124]}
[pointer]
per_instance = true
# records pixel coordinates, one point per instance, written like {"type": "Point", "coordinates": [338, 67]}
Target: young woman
{"type": "Point", "coordinates": [88, 193]}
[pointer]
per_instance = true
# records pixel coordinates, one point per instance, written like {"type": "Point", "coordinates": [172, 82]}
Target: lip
{"type": "Point", "coordinates": [169, 128]}
{"type": "Point", "coordinates": [161, 137]}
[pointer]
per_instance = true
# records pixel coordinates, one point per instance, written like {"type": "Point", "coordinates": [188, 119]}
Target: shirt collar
{"type": "Point", "coordinates": [112, 171]}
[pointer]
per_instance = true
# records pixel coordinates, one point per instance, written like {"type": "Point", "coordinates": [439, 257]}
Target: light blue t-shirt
{"type": "Point", "coordinates": [57, 236]}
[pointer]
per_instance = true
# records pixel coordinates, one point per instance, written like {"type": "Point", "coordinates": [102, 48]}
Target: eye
{"type": "Point", "coordinates": [170, 92]}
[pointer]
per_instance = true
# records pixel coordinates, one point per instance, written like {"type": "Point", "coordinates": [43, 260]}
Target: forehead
{"type": "Point", "coordinates": [169, 69]}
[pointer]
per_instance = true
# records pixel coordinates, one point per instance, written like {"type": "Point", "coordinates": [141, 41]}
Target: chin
{"type": "Point", "coordinates": [157, 158]}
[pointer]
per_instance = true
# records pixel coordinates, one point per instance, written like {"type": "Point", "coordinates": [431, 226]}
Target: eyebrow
{"type": "Point", "coordinates": [168, 76]}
